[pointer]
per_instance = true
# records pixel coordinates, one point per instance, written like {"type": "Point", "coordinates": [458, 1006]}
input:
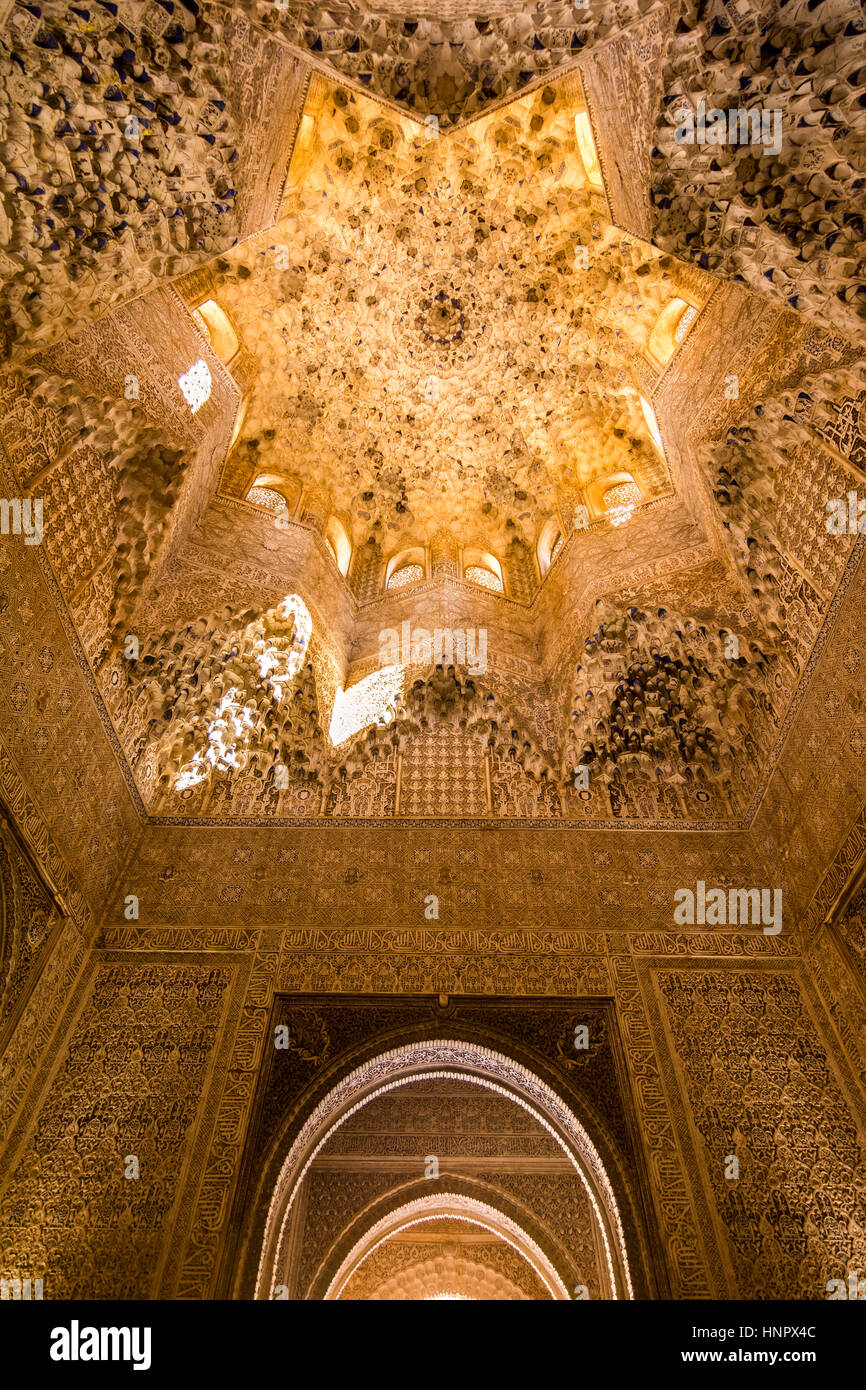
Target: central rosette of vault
{"type": "Point", "coordinates": [442, 325]}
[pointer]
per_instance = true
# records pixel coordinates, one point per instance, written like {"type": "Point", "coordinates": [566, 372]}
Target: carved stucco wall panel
{"type": "Point", "coordinates": [836, 981]}
{"type": "Point", "coordinates": [51, 728]}
{"type": "Point", "coordinates": [130, 1080]}
{"type": "Point", "coordinates": [30, 1049]}
{"type": "Point", "coordinates": [833, 941]}
{"type": "Point", "coordinates": [375, 876]}
{"type": "Point", "coordinates": [769, 1094]}
{"type": "Point", "coordinates": [818, 789]}
{"type": "Point", "coordinates": [708, 1115]}
{"type": "Point", "coordinates": [191, 1271]}
{"type": "Point", "coordinates": [851, 934]}
{"type": "Point", "coordinates": [45, 932]}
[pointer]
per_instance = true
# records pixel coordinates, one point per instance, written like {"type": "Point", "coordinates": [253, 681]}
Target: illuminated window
{"type": "Point", "coordinates": [218, 329]}
{"type": "Point", "coordinates": [586, 145]}
{"type": "Point", "coordinates": [266, 497]}
{"type": "Point", "coordinates": [549, 544]}
{"type": "Point", "coordinates": [619, 502]}
{"type": "Point", "coordinates": [407, 574]}
{"type": "Point", "coordinates": [372, 701]}
{"type": "Point", "coordinates": [196, 385]}
{"type": "Point", "coordinates": [649, 416]}
{"type": "Point", "coordinates": [687, 318]}
{"type": "Point", "coordinates": [303, 147]}
{"type": "Point", "coordinates": [337, 541]}
{"type": "Point", "coordinates": [476, 574]}
{"type": "Point", "coordinates": [669, 330]}
{"type": "Point", "coordinates": [239, 422]}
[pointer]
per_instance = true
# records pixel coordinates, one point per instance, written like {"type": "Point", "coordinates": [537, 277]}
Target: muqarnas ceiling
{"type": "Point", "coordinates": [445, 326]}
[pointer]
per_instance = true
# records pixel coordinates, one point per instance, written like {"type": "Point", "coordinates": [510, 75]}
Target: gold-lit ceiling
{"type": "Point", "coordinates": [445, 324]}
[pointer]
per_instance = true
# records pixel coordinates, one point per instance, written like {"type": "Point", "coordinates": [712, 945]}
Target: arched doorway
{"type": "Point", "coordinates": [397, 1074]}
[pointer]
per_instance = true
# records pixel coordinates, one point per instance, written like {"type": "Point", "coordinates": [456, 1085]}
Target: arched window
{"type": "Point", "coordinates": [406, 567]}
{"type": "Point", "coordinates": [482, 568]}
{"type": "Point", "coordinates": [652, 424]}
{"type": "Point", "coordinates": [588, 152]}
{"type": "Point", "coordinates": [274, 493]}
{"type": "Point", "coordinates": [669, 330]}
{"type": "Point", "coordinates": [337, 541]}
{"type": "Point", "coordinates": [195, 384]}
{"type": "Point", "coordinates": [266, 497]}
{"type": "Point", "coordinates": [620, 501]}
{"type": "Point", "coordinates": [549, 544]}
{"type": "Point", "coordinates": [477, 574]}
{"type": "Point", "coordinates": [406, 574]}
{"type": "Point", "coordinates": [217, 328]}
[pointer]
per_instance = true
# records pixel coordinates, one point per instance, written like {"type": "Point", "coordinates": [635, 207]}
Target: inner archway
{"type": "Point", "coordinates": [398, 1072]}
{"type": "Point", "coordinates": [461, 1270]}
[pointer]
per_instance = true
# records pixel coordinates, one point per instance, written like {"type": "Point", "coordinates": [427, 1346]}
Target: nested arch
{"type": "Point", "coordinates": [449, 1204]}
{"type": "Point", "coordinates": [470, 1062]}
